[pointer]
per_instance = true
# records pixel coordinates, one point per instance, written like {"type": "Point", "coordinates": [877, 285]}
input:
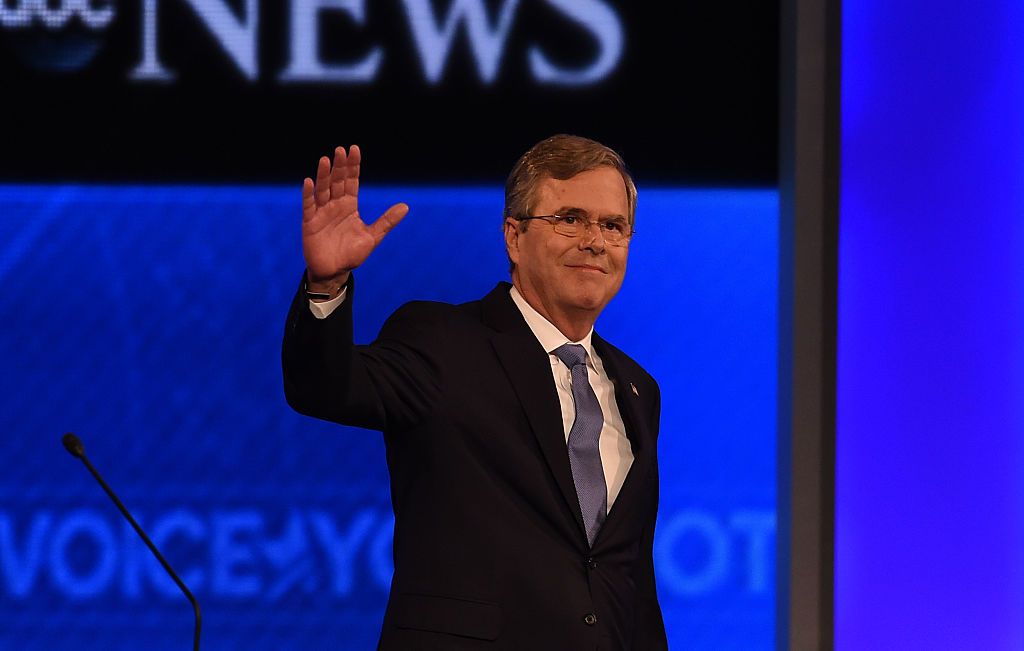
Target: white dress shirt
{"type": "Point", "coordinates": [616, 451]}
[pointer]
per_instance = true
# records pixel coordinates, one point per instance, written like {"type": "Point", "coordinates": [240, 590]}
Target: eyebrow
{"type": "Point", "coordinates": [574, 211]}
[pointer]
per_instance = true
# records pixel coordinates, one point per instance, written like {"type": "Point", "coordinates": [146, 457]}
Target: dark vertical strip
{"type": "Point", "coordinates": [808, 258]}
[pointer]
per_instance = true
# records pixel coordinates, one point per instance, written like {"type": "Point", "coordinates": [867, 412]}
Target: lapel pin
{"type": "Point", "coordinates": [633, 387]}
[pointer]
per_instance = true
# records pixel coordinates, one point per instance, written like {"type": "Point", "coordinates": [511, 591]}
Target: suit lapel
{"type": "Point", "coordinates": [627, 395]}
{"type": "Point", "coordinates": [529, 371]}
{"type": "Point", "coordinates": [630, 405]}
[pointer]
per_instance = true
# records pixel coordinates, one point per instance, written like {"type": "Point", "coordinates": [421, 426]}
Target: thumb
{"type": "Point", "coordinates": [388, 220]}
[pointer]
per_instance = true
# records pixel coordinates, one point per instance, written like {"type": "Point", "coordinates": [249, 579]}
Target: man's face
{"type": "Point", "coordinates": [570, 277]}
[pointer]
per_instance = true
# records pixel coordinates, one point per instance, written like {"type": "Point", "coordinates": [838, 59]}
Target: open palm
{"type": "Point", "coordinates": [335, 240]}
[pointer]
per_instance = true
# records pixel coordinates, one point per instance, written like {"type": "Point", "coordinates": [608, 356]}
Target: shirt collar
{"type": "Point", "coordinates": [546, 333]}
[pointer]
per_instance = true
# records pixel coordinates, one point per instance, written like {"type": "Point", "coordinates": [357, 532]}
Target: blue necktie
{"type": "Point", "coordinates": [584, 437]}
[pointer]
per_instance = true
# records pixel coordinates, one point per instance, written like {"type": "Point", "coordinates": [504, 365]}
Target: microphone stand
{"type": "Point", "coordinates": [75, 447]}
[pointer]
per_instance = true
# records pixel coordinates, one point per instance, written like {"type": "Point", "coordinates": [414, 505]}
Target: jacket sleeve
{"type": "Point", "coordinates": [392, 384]}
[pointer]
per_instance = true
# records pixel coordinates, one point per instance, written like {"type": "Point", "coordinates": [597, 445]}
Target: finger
{"type": "Point", "coordinates": [338, 173]}
{"type": "Point", "coordinates": [308, 203]}
{"type": "Point", "coordinates": [388, 220]}
{"type": "Point", "coordinates": [323, 186]}
{"type": "Point", "coordinates": [355, 157]}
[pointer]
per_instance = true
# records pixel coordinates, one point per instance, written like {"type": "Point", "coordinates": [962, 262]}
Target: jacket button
{"type": "Point", "coordinates": [590, 619]}
{"type": "Point", "coordinates": [591, 563]}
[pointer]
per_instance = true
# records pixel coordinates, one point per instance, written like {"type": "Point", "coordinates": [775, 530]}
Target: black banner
{"type": "Point", "coordinates": [255, 91]}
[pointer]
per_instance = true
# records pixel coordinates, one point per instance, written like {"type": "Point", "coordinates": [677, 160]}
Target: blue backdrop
{"type": "Point", "coordinates": [148, 321]}
{"type": "Point", "coordinates": [930, 433]}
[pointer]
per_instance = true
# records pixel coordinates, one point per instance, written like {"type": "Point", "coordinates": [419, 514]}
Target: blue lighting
{"type": "Point", "coordinates": [148, 320]}
{"type": "Point", "coordinates": [930, 433]}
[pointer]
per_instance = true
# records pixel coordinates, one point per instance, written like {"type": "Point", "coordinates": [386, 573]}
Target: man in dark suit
{"type": "Point", "coordinates": [521, 446]}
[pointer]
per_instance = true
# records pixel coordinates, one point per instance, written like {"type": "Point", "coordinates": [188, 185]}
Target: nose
{"type": "Point", "coordinates": [592, 238]}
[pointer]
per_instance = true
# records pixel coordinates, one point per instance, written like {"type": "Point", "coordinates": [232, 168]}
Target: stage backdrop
{"type": "Point", "coordinates": [930, 402]}
{"type": "Point", "coordinates": [149, 211]}
{"type": "Point", "coordinates": [149, 319]}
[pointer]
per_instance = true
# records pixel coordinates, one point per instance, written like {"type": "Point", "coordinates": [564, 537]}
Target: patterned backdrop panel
{"type": "Point", "coordinates": [148, 320]}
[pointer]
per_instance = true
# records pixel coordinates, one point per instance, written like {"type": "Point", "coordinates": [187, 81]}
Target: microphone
{"type": "Point", "coordinates": [75, 447]}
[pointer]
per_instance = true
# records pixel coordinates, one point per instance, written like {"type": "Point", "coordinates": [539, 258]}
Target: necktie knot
{"type": "Point", "coordinates": [571, 354]}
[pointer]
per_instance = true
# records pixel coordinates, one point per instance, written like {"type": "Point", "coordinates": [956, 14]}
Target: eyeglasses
{"type": "Point", "coordinates": [615, 231]}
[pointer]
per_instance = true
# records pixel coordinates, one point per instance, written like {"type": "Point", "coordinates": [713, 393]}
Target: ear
{"type": "Point", "coordinates": [512, 240]}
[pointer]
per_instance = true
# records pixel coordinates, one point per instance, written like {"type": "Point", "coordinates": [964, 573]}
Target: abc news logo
{"type": "Point", "coordinates": [54, 16]}
{"type": "Point", "coordinates": [55, 35]}
{"type": "Point", "coordinates": [438, 32]}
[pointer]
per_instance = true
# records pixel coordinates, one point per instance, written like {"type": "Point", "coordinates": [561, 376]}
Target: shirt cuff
{"type": "Point", "coordinates": [324, 309]}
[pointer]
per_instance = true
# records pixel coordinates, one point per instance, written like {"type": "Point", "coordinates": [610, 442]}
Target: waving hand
{"type": "Point", "coordinates": [335, 240]}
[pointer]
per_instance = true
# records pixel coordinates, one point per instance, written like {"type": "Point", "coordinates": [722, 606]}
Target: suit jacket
{"type": "Point", "coordinates": [489, 547]}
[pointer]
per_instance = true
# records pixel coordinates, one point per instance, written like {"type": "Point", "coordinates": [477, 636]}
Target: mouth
{"type": "Point", "coordinates": [587, 268]}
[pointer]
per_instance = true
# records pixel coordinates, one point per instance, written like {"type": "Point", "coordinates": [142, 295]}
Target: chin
{"type": "Point", "coordinates": [590, 301]}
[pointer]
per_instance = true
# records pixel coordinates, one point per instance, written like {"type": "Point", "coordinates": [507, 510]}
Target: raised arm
{"type": "Point", "coordinates": [389, 384]}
